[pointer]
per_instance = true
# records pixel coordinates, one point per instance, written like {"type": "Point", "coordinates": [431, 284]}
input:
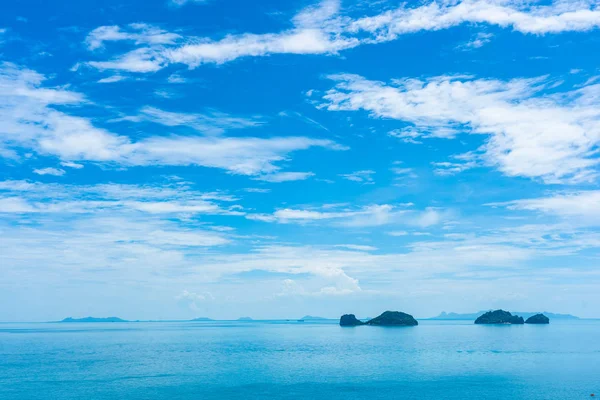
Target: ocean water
{"type": "Point", "coordinates": [280, 360]}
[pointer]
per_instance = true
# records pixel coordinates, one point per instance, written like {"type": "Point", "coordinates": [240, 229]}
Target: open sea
{"type": "Point", "coordinates": [299, 360]}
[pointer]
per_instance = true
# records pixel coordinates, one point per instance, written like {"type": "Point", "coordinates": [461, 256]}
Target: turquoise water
{"type": "Point", "coordinates": [255, 360]}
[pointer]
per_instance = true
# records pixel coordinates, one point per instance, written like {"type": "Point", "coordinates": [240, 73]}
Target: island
{"type": "Point", "coordinates": [388, 318]}
{"type": "Point", "coordinates": [350, 320]}
{"type": "Point", "coordinates": [538, 319]}
{"type": "Point", "coordinates": [499, 317]}
{"type": "Point", "coordinates": [94, 319]}
{"type": "Point", "coordinates": [201, 319]}
{"type": "Point", "coordinates": [313, 318]}
{"type": "Point", "coordinates": [245, 319]}
{"type": "Point", "coordinates": [452, 316]}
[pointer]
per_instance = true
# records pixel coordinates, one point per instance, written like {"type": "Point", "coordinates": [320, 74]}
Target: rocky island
{"type": "Point", "coordinates": [499, 317]}
{"type": "Point", "coordinates": [388, 318]}
{"type": "Point", "coordinates": [350, 320]}
{"type": "Point", "coordinates": [538, 319]}
{"type": "Point", "coordinates": [451, 316]}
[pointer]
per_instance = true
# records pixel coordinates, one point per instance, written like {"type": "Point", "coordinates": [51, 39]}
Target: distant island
{"type": "Point", "coordinates": [313, 318]}
{"type": "Point", "coordinates": [201, 319]}
{"type": "Point", "coordinates": [94, 319]}
{"type": "Point", "coordinates": [245, 319]}
{"type": "Point", "coordinates": [471, 316]}
{"type": "Point", "coordinates": [388, 318]}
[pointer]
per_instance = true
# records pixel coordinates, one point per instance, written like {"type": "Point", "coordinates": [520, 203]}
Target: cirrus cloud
{"type": "Point", "coordinates": [323, 29]}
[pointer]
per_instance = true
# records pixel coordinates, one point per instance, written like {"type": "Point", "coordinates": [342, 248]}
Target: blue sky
{"type": "Point", "coordinates": [223, 158]}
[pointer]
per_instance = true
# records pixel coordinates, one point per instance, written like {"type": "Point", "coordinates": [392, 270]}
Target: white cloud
{"type": "Point", "coordinates": [70, 164]}
{"type": "Point", "coordinates": [366, 216]}
{"type": "Point", "coordinates": [374, 215]}
{"type": "Point", "coordinates": [524, 17]}
{"type": "Point", "coordinates": [403, 173]}
{"type": "Point", "coordinates": [179, 3]}
{"type": "Point", "coordinates": [364, 176]}
{"type": "Point", "coordinates": [359, 247]}
{"type": "Point", "coordinates": [112, 79]}
{"type": "Point", "coordinates": [141, 60]}
{"type": "Point", "coordinates": [105, 248]}
{"type": "Point", "coordinates": [462, 163]}
{"type": "Point", "coordinates": [28, 120]}
{"type": "Point", "coordinates": [301, 41]}
{"type": "Point", "coordinates": [408, 134]}
{"type": "Point", "coordinates": [176, 78]}
{"type": "Point", "coordinates": [548, 136]}
{"type": "Point", "coordinates": [257, 190]}
{"type": "Point", "coordinates": [50, 171]}
{"type": "Point", "coordinates": [481, 39]}
{"type": "Point", "coordinates": [285, 177]}
{"type": "Point", "coordinates": [137, 33]}
{"type": "Point", "coordinates": [582, 206]}
{"type": "Point", "coordinates": [36, 197]}
{"type": "Point", "coordinates": [185, 295]}
{"type": "Point", "coordinates": [321, 29]}
{"type": "Point", "coordinates": [398, 233]}
{"type": "Point", "coordinates": [15, 205]}
{"type": "Point", "coordinates": [211, 122]}
{"type": "Point", "coordinates": [239, 155]}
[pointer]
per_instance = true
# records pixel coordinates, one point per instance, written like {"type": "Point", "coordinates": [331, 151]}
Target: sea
{"type": "Point", "coordinates": [299, 360]}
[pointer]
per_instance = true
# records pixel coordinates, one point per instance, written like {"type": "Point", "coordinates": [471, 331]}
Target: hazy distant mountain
{"type": "Point", "coordinates": [94, 319]}
{"type": "Point", "coordinates": [473, 316]}
{"type": "Point", "coordinates": [245, 319]}
{"type": "Point", "coordinates": [201, 319]}
{"type": "Point", "coordinates": [547, 314]}
{"type": "Point", "coordinates": [311, 317]}
{"type": "Point", "coordinates": [455, 316]}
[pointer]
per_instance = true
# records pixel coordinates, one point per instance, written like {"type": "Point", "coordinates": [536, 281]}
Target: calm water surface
{"type": "Point", "coordinates": [256, 360]}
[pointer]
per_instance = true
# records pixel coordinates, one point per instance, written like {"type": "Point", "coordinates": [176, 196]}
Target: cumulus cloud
{"type": "Point", "coordinates": [552, 137]}
{"type": "Point", "coordinates": [322, 29]}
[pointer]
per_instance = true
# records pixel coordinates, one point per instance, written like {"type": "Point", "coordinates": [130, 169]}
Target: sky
{"type": "Point", "coordinates": [174, 159]}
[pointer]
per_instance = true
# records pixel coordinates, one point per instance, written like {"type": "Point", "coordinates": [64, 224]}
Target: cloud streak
{"type": "Point", "coordinates": [324, 29]}
{"type": "Point", "coordinates": [28, 120]}
{"type": "Point", "coordinates": [22, 197]}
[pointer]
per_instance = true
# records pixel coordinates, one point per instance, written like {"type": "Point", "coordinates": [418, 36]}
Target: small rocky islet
{"type": "Point", "coordinates": [505, 317]}
{"type": "Point", "coordinates": [397, 318]}
{"type": "Point", "coordinates": [499, 317]}
{"type": "Point", "coordinates": [537, 319]}
{"type": "Point", "coordinates": [388, 318]}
